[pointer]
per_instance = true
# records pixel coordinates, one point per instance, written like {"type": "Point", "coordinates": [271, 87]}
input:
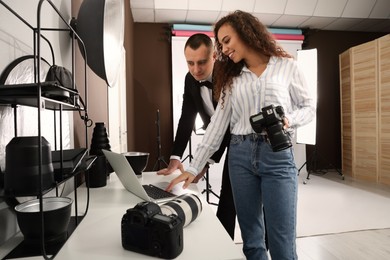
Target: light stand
{"type": "Point", "coordinates": [208, 190]}
{"type": "Point", "coordinates": [189, 156]}
{"type": "Point", "coordinates": [160, 158]}
{"type": "Point", "coordinates": [313, 162]}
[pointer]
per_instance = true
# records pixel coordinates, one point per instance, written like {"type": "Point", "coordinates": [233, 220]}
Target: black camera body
{"type": "Point", "coordinates": [270, 119]}
{"type": "Point", "coordinates": [147, 231]}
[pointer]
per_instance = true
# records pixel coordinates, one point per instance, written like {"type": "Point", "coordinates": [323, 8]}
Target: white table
{"type": "Point", "coordinates": [98, 236]}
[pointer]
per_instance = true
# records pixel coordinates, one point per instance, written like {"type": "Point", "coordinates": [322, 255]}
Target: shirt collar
{"type": "Point", "coordinates": [271, 61]}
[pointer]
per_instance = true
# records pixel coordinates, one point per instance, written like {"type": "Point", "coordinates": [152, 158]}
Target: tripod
{"type": "Point", "coordinates": [160, 158]}
{"type": "Point", "coordinates": [313, 163]}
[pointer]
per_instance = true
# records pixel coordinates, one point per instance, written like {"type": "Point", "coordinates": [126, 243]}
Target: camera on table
{"type": "Point", "coordinates": [270, 119]}
{"type": "Point", "coordinates": [158, 230]}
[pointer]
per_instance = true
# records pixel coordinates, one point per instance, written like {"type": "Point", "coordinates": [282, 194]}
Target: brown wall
{"type": "Point", "coordinates": [152, 90]}
{"type": "Point", "coordinates": [129, 46]}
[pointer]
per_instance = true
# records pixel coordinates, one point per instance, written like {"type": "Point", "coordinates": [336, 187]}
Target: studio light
{"type": "Point", "coordinates": [100, 25]}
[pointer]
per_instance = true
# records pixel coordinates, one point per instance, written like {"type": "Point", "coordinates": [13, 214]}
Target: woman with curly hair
{"type": "Point", "coordinates": [253, 73]}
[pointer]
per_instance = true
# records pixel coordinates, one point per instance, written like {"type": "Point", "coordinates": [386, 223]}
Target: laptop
{"type": "Point", "coordinates": [130, 181]}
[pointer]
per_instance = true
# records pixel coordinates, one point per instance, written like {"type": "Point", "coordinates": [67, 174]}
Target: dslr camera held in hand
{"type": "Point", "coordinates": [158, 231]}
{"type": "Point", "coordinates": [270, 119]}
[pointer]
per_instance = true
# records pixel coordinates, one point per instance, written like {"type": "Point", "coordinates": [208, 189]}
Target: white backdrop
{"type": "Point", "coordinates": [117, 126]}
{"type": "Point", "coordinates": [307, 60]}
{"type": "Point", "coordinates": [179, 70]}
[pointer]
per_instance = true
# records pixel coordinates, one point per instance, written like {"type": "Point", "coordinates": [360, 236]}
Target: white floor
{"type": "Point", "coordinates": [337, 219]}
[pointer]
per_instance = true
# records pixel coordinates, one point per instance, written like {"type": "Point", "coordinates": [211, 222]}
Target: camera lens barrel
{"type": "Point", "coordinates": [187, 207]}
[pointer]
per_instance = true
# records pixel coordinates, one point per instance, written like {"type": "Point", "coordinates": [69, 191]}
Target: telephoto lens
{"type": "Point", "coordinates": [187, 207]}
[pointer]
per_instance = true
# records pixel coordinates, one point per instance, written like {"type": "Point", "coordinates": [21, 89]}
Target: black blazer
{"type": "Point", "coordinates": [192, 105]}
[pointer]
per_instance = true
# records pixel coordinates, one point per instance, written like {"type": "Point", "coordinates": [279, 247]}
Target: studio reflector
{"type": "Point", "coordinates": [100, 25]}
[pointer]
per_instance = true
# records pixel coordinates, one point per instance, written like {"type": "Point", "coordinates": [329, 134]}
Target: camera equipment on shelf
{"type": "Point", "coordinates": [158, 230]}
{"type": "Point", "coordinates": [270, 119]}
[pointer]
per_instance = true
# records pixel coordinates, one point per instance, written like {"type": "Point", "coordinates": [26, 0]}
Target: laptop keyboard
{"type": "Point", "coordinates": [156, 192]}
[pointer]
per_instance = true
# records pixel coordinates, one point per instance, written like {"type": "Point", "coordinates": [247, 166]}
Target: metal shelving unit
{"type": "Point", "coordinates": [35, 95]}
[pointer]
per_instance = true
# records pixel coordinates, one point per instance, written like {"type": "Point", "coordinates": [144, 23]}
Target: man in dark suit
{"type": "Point", "coordinates": [198, 98]}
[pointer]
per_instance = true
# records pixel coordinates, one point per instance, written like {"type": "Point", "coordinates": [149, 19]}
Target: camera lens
{"type": "Point", "coordinates": [187, 207]}
{"type": "Point", "coordinates": [279, 139]}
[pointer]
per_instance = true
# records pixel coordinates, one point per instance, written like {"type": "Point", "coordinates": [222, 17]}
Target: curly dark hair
{"type": "Point", "coordinates": [254, 34]}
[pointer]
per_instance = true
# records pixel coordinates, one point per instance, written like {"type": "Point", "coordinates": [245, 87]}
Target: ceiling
{"type": "Point", "coordinates": [339, 15]}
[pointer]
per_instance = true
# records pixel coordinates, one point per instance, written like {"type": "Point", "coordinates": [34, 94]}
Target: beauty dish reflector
{"type": "Point", "coordinates": [100, 25]}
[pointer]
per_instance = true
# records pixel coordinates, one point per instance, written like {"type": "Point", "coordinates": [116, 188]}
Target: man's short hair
{"type": "Point", "coordinates": [197, 39]}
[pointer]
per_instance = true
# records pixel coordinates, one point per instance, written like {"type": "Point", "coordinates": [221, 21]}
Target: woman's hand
{"type": "Point", "coordinates": [285, 122]}
{"type": "Point", "coordinates": [185, 176]}
{"type": "Point", "coordinates": [201, 174]}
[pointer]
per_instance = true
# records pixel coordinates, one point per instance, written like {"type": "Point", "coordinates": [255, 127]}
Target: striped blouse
{"type": "Point", "coordinates": [281, 84]}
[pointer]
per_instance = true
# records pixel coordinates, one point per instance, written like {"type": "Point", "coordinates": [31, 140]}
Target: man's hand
{"type": "Point", "coordinates": [185, 176]}
{"type": "Point", "coordinates": [173, 165]}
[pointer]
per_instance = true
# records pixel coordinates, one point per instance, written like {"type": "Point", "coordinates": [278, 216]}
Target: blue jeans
{"type": "Point", "coordinates": [263, 178]}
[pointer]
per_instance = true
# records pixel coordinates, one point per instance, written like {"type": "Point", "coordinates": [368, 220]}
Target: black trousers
{"type": "Point", "coordinates": [226, 212]}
